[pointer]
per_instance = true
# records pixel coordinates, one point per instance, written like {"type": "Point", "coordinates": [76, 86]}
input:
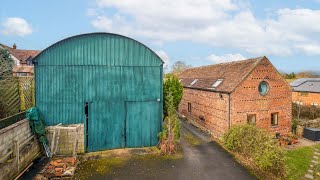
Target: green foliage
{"type": "Point", "coordinates": [294, 125]}
{"type": "Point", "coordinates": [256, 144]}
{"type": "Point", "coordinates": [172, 87]}
{"type": "Point", "coordinates": [171, 128]}
{"type": "Point", "coordinates": [6, 63]}
{"type": "Point", "coordinates": [289, 76]}
{"type": "Point", "coordinates": [297, 161]}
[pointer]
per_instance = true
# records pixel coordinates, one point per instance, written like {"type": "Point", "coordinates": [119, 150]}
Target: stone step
{"type": "Point", "coordinates": [310, 171]}
{"type": "Point", "coordinates": [316, 157]}
{"type": "Point", "coordinates": [315, 162]}
{"type": "Point", "coordinates": [309, 176]}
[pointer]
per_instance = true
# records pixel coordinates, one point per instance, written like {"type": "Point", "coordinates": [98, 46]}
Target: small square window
{"type": "Point", "coordinates": [189, 107]}
{"type": "Point", "coordinates": [251, 118]}
{"type": "Point", "coordinates": [274, 119]}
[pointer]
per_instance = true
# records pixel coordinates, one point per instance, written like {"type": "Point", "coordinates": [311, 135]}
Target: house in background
{"type": "Point", "coordinates": [306, 91]}
{"type": "Point", "coordinates": [249, 91]}
{"type": "Point", "coordinates": [23, 60]}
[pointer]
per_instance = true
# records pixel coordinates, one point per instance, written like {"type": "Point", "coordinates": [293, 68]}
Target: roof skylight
{"type": "Point", "coordinates": [217, 83]}
{"type": "Point", "coordinates": [193, 82]}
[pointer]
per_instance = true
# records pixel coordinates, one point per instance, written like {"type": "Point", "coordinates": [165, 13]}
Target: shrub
{"type": "Point", "coordinates": [255, 144]}
{"type": "Point", "coordinates": [305, 112]}
{"type": "Point", "coordinates": [171, 87]}
{"type": "Point", "coordinates": [171, 129]}
{"type": "Point", "coordinates": [294, 125]}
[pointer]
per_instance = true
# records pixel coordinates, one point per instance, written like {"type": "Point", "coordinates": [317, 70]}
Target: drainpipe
{"type": "Point", "coordinates": [229, 111]}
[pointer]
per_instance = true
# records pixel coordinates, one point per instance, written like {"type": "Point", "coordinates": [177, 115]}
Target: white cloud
{"type": "Point", "coordinates": [16, 26]}
{"type": "Point", "coordinates": [164, 56]}
{"type": "Point", "coordinates": [220, 23]}
{"type": "Point", "coordinates": [310, 49]}
{"type": "Point", "coordinates": [102, 23]}
{"type": "Point", "coordinates": [225, 58]}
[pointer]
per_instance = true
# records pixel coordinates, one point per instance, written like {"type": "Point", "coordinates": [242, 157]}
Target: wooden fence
{"type": "Point", "coordinates": [16, 95]}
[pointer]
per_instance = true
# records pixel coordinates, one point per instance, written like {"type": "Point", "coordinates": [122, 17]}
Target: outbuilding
{"type": "Point", "coordinates": [219, 96]}
{"type": "Point", "coordinates": [111, 84]}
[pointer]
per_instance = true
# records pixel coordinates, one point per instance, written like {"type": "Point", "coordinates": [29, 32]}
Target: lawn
{"type": "Point", "coordinates": [298, 161]}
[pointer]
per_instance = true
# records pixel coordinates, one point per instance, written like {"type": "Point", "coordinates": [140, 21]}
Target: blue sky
{"type": "Point", "coordinates": [198, 32]}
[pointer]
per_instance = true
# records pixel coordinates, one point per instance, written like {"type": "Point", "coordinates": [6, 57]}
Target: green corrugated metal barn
{"type": "Point", "coordinates": [110, 83]}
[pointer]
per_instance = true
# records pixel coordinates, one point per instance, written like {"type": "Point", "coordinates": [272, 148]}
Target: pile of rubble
{"type": "Point", "coordinates": [58, 168]}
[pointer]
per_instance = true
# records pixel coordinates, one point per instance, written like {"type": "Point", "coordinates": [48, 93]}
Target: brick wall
{"type": "Point", "coordinates": [66, 140]}
{"type": "Point", "coordinates": [21, 133]}
{"type": "Point", "coordinates": [306, 98]}
{"type": "Point", "coordinates": [213, 107]}
{"type": "Point", "coordinates": [246, 99]}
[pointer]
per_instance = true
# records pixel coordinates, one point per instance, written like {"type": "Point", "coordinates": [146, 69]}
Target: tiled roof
{"type": "Point", "coordinates": [21, 54]}
{"type": "Point", "coordinates": [231, 74]}
{"type": "Point", "coordinates": [306, 85]}
{"type": "Point", "coordinates": [23, 69]}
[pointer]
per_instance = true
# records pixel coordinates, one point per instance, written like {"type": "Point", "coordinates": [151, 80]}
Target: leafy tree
{"type": "Point", "coordinates": [179, 66]}
{"type": "Point", "coordinates": [6, 63]}
{"type": "Point", "coordinates": [171, 87]}
{"type": "Point", "coordinates": [171, 129]}
{"type": "Point", "coordinates": [289, 76]}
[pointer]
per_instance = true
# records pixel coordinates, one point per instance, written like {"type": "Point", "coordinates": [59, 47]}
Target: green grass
{"type": "Point", "coordinates": [298, 161]}
{"type": "Point", "coordinates": [191, 139]}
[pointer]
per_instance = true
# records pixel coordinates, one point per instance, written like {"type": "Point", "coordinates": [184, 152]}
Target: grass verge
{"type": "Point", "coordinates": [298, 161]}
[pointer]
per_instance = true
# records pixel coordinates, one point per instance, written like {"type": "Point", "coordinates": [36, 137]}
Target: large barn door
{"type": "Point", "coordinates": [142, 123]}
{"type": "Point", "coordinates": [106, 125]}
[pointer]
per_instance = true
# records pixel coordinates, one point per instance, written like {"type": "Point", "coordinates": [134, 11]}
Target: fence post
{"type": "Point", "coordinates": [22, 100]}
{"type": "Point", "coordinates": [33, 92]}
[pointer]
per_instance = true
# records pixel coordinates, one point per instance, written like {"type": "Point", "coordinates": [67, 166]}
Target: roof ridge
{"type": "Point", "coordinates": [231, 62]}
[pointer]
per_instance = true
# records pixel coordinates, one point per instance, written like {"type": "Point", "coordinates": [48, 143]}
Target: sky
{"type": "Point", "coordinates": [198, 32]}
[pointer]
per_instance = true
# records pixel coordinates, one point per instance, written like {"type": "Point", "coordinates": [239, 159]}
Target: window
{"type": "Point", "coordinates": [303, 93]}
{"type": "Point", "coordinates": [22, 74]}
{"type": "Point", "coordinates": [251, 118]}
{"type": "Point", "coordinates": [314, 104]}
{"type": "Point", "coordinates": [189, 107]}
{"type": "Point", "coordinates": [180, 80]}
{"type": "Point", "coordinates": [217, 83]}
{"type": "Point", "coordinates": [263, 88]}
{"type": "Point", "coordinates": [193, 82]}
{"type": "Point", "coordinates": [274, 119]}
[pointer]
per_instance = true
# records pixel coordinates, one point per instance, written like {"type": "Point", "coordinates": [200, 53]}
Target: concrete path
{"type": "Point", "coordinates": [202, 159]}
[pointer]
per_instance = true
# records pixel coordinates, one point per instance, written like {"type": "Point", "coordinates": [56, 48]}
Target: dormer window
{"type": "Point", "coordinates": [193, 82]}
{"type": "Point", "coordinates": [217, 83]}
{"type": "Point", "coordinates": [180, 80]}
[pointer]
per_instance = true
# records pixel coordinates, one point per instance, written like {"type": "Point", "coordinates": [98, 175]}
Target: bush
{"type": "Point", "coordinates": [305, 112]}
{"type": "Point", "coordinates": [171, 129]}
{"type": "Point", "coordinates": [171, 87]}
{"type": "Point", "coordinates": [256, 145]}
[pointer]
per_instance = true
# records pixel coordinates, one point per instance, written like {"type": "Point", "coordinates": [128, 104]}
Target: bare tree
{"type": "Point", "coordinates": [179, 66]}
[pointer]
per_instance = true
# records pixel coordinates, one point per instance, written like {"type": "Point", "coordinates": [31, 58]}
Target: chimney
{"type": "Point", "coordinates": [14, 46]}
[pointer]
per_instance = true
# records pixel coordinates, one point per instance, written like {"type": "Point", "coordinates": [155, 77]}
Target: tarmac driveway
{"type": "Point", "coordinates": [201, 159]}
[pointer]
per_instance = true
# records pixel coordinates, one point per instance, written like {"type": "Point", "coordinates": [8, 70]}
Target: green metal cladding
{"type": "Point", "coordinates": [119, 78]}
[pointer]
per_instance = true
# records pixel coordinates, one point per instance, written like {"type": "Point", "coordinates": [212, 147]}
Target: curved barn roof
{"type": "Point", "coordinates": [98, 49]}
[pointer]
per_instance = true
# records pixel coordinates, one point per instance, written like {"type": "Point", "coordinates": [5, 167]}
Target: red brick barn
{"type": "Point", "coordinates": [248, 91]}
